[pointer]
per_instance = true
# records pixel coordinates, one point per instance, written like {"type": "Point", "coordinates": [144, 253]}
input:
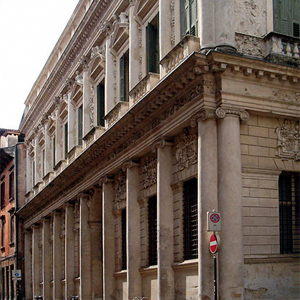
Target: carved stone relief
{"type": "Point", "coordinates": [148, 171]}
{"type": "Point", "coordinates": [251, 17]}
{"type": "Point", "coordinates": [249, 45]}
{"type": "Point", "coordinates": [120, 190]}
{"type": "Point", "coordinates": [288, 140]}
{"type": "Point", "coordinates": [186, 149]}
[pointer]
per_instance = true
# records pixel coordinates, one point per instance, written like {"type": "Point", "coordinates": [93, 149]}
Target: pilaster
{"type": "Point", "coordinates": [46, 269]}
{"type": "Point", "coordinates": [36, 259]}
{"type": "Point", "coordinates": [231, 256]}
{"type": "Point", "coordinates": [28, 264]}
{"type": "Point", "coordinates": [133, 231]}
{"type": "Point", "coordinates": [134, 34]}
{"type": "Point", "coordinates": [85, 248]}
{"type": "Point", "coordinates": [108, 239]}
{"type": "Point", "coordinates": [57, 244]}
{"type": "Point", "coordinates": [165, 221]}
{"type": "Point", "coordinates": [69, 250]}
{"type": "Point", "coordinates": [71, 118]}
{"type": "Point", "coordinates": [207, 197]}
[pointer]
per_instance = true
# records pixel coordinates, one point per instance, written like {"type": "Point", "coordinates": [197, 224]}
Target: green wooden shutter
{"type": "Point", "coordinates": [193, 18]}
{"type": "Point", "coordinates": [184, 14]}
{"type": "Point", "coordinates": [296, 17]}
{"type": "Point", "coordinates": [122, 79]}
{"type": "Point", "coordinates": [100, 104]}
{"type": "Point", "coordinates": [151, 47]}
{"type": "Point", "coordinates": [286, 17]}
{"type": "Point", "coordinates": [66, 139]}
{"type": "Point", "coordinates": [80, 124]}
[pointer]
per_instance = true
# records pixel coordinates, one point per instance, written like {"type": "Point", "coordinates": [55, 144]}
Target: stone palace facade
{"type": "Point", "coordinates": [147, 115]}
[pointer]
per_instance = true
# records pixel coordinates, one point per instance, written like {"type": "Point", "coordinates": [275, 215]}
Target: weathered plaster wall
{"type": "Point", "coordinates": [276, 281]}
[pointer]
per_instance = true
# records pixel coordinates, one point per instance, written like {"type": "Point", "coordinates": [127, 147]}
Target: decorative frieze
{"type": "Point", "coordinates": [186, 149]}
{"type": "Point", "coordinates": [288, 140]}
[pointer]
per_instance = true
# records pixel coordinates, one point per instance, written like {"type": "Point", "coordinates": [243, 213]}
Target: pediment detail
{"type": "Point", "coordinates": [143, 7]}
{"type": "Point", "coordinates": [120, 32]}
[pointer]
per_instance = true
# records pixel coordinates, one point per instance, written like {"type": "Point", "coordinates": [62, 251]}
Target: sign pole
{"type": "Point", "coordinates": [215, 278]}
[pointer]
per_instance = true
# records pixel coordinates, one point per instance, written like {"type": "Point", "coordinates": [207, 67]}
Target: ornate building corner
{"type": "Point", "coordinates": [288, 140]}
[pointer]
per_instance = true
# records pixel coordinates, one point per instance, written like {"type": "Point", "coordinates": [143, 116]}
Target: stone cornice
{"type": "Point", "coordinates": [77, 45]}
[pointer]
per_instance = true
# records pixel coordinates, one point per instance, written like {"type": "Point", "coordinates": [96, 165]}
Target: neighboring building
{"type": "Point", "coordinates": [147, 115]}
{"type": "Point", "coordinates": [12, 194]}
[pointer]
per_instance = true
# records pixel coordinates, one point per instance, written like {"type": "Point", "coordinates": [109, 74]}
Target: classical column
{"type": "Point", "coordinates": [57, 244]}
{"type": "Point", "coordinates": [108, 220]}
{"type": "Point", "coordinates": [85, 248]}
{"type": "Point", "coordinates": [28, 263]}
{"type": "Point", "coordinates": [165, 221]}
{"type": "Point", "coordinates": [231, 255]}
{"type": "Point", "coordinates": [46, 259]}
{"type": "Point", "coordinates": [224, 24]}
{"type": "Point", "coordinates": [96, 242]}
{"type": "Point", "coordinates": [133, 232]}
{"type": "Point", "coordinates": [206, 24]}
{"type": "Point", "coordinates": [134, 55]}
{"type": "Point", "coordinates": [36, 260]}
{"type": "Point", "coordinates": [71, 118]}
{"type": "Point", "coordinates": [207, 198]}
{"type": "Point", "coordinates": [69, 250]}
{"type": "Point", "coordinates": [165, 28]}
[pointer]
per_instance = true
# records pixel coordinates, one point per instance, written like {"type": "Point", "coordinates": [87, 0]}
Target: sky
{"type": "Point", "coordinates": [29, 30]}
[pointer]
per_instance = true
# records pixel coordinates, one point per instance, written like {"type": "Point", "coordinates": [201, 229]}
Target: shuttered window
{"type": "Point", "coordinates": [188, 18]}
{"type": "Point", "coordinates": [286, 17]}
{"type": "Point", "coordinates": [2, 187]}
{"type": "Point", "coordinates": [66, 139]}
{"type": "Point", "coordinates": [152, 46]}
{"type": "Point", "coordinates": [124, 77]}
{"type": "Point", "coordinates": [152, 229]}
{"type": "Point", "coordinates": [11, 185]}
{"type": "Point", "coordinates": [124, 237]}
{"type": "Point", "coordinates": [100, 104]}
{"type": "Point", "coordinates": [190, 219]}
{"type": "Point", "coordinates": [80, 124]}
{"type": "Point", "coordinates": [289, 204]}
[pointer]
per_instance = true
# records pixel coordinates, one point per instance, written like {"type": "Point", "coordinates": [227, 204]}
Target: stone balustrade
{"type": "Point", "coordinates": [185, 47]}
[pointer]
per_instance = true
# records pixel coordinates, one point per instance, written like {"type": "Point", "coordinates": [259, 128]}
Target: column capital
{"type": "Point", "coordinates": [106, 179]}
{"type": "Point", "coordinates": [163, 142]}
{"type": "Point", "coordinates": [86, 194]}
{"type": "Point", "coordinates": [129, 164]}
{"type": "Point", "coordinates": [221, 113]}
{"type": "Point", "coordinates": [202, 115]}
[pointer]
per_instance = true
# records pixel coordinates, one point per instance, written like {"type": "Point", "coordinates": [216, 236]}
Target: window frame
{"type": "Point", "coordinates": [190, 219]}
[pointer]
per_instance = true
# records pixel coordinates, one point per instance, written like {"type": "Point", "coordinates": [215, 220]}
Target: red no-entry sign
{"type": "Point", "coordinates": [213, 243]}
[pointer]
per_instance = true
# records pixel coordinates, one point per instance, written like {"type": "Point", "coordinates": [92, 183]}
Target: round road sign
{"type": "Point", "coordinates": [213, 244]}
{"type": "Point", "coordinates": [215, 217]}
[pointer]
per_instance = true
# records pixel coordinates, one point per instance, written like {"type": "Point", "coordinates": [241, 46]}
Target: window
{"type": "Point", "coordinates": [289, 201]}
{"type": "Point", "coordinates": [152, 229]}
{"type": "Point", "coordinates": [12, 227]}
{"type": "Point", "coordinates": [2, 195]}
{"type": "Point", "coordinates": [66, 139]}
{"type": "Point", "coordinates": [2, 231]}
{"type": "Point", "coordinates": [100, 104]}
{"type": "Point", "coordinates": [188, 18]}
{"type": "Point", "coordinates": [43, 163]}
{"type": "Point", "coordinates": [287, 17]}
{"type": "Point", "coordinates": [80, 124]}
{"type": "Point", "coordinates": [33, 172]}
{"type": "Point", "coordinates": [53, 151]}
{"type": "Point", "coordinates": [124, 237]}
{"type": "Point", "coordinates": [152, 46]}
{"type": "Point", "coordinates": [190, 219]}
{"type": "Point", "coordinates": [11, 185]}
{"type": "Point", "coordinates": [124, 77]}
